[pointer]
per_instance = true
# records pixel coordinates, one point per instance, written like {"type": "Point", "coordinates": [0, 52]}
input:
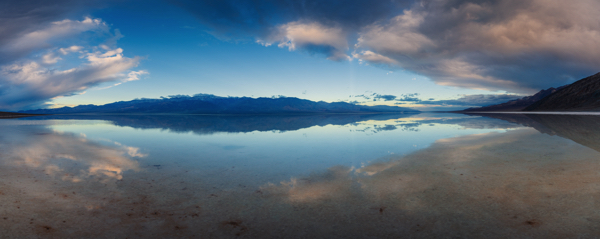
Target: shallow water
{"type": "Point", "coordinates": [334, 176]}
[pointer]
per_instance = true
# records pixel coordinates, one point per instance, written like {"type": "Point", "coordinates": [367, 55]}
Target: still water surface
{"type": "Point", "coordinates": [346, 176]}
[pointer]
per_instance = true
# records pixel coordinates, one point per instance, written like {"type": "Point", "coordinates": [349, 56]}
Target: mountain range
{"type": "Point", "coordinates": [211, 104]}
{"type": "Point", "coordinates": [582, 95]}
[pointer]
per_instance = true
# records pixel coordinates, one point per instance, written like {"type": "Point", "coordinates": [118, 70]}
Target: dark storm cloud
{"type": "Point", "coordinates": [512, 45]}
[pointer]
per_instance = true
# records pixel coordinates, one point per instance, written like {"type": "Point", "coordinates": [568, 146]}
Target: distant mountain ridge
{"type": "Point", "coordinates": [211, 104]}
{"type": "Point", "coordinates": [518, 104]}
{"type": "Point", "coordinates": [582, 95]}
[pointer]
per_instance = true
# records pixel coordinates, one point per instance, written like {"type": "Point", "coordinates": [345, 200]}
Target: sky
{"type": "Point", "coordinates": [427, 55]}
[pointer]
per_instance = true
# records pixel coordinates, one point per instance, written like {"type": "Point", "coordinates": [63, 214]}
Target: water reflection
{"type": "Point", "coordinates": [514, 184]}
{"type": "Point", "coordinates": [583, 129]}
{"type": "Point", "coordinates": [68, 156]}
{"type": "Point", "coordinates": [512, 181]}
{"type": "Point", "coordinates": [210, 124]}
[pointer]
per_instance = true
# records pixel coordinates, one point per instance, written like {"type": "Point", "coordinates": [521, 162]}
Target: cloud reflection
{"type": "Point", "coordinates": [502, 184]}
{"type": "Point", "coordinates": [69, 156]}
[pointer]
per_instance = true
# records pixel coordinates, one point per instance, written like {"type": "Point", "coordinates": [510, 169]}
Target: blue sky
{"type": "Point", "coordinates": [430, 55]}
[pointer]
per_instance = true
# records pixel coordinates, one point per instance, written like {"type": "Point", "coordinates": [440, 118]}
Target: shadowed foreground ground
{"type": "Point", "coordinates": [13, 115]}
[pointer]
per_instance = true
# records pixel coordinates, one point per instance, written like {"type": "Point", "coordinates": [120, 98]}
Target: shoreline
{"type": "Point", "coordinates": [531, 112]}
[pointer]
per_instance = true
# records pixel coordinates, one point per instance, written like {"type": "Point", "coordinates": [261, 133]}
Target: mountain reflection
{"type": "Point", "coordinates": [209, 124]}
{"type": "Point", "coordinates": [583, 129]}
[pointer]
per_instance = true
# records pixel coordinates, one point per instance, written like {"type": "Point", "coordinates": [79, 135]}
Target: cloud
{"type": "Point", "coordinates": [384, 97]}
{"type": "Point", "coordinates": [312, 37]}
{"type": "Point", "coordinates": [413, 97]}
{"type": "Point", "coordinates": [494, 45]}
{"type": "Point", "coordinates": [467, 100]}
{"type": "Point", "coordinates": [366, 97]}
{"type": "Point", "coordinates": [509, 45]}
{"type": "Point", "coordinates": [30, 84]}
{"type": "Point", "coordinates": [237, 18]}
{"type": "Point", "coordinates": [27, 26]}
{"type": "Point", "coordinates": [30, 73]}
{"type": "Point", "coordinates": [131, 76]}
{"type": "Point", "coordinates": [374, 58]}
{"type": "Point", "coordinates": [46, 54]}
{"type": "Point", "coordinates": [70, 49]}
{"type": "Point", "coordinates": [312, 26]}
{"type": "Point", "coordinates": [43, 38]}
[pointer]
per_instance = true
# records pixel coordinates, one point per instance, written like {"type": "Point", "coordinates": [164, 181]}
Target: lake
{"type": "Point", "coordinates": [335, 176]}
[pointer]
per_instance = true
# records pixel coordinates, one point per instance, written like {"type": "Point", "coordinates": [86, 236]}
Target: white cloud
{"type": "Point", "coordinates": [70, 49]}
{"type": "Point", "coordinates": [31, 82]}
{"type": "Point", "coordinates": [330, 41]}
{"type": "Point", "coordinates": [374, 58]}
{"type": "Point", "coordinates": [131, 76]}
{"type": "Point", "coordinates": [50, 58]}
{"type": "Point", "coordinates": [135, 75]}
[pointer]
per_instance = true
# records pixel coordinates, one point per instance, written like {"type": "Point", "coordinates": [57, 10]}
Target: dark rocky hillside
{"type": "Point", "coordinates": [583, 95]}
{"type": "Point", "coordinates": [518, 104]}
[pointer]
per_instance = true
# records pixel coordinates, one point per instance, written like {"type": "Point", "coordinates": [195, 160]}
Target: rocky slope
{"type": "Point", "coordinates": [518, 104]}
{"type": "Point", "coordinates": [583, 95]}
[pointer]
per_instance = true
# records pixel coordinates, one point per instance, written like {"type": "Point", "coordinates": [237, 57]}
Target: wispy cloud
{"type": "Point", "coordinates": [463, 101]}
{"type": "Point", "coordinates": [413, 97]}
{"type": "Point", "coordinates": [384, 97]}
